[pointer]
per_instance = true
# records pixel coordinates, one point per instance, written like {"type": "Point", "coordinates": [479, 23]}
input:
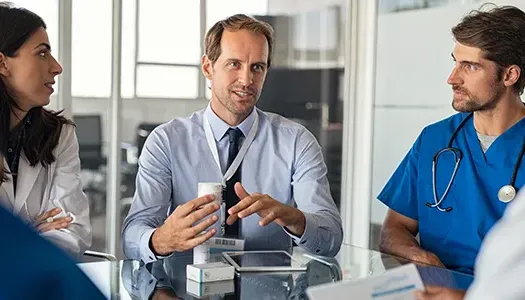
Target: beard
{"type": "Point", "coordinates": [471, 103]}
{"type": "Point", "coordinates": [238, 107]}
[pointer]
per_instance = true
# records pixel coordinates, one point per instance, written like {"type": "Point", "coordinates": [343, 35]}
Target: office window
{"type": "Point", "coordinates": [129, 11]}
{"type": "Point", "coordinates": [167, 81]}
{"type": "Point", "coordinates": [91, 48]}
{"type": "Point", "coordinates": [169, 31]}
{"type": "Point", "coordinates": [157, 36]}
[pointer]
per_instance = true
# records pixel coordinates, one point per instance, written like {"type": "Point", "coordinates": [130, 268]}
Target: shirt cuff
{"type": "Point", "coordinates": [146, 252]}
{"type": "Point", "coordinates": [308, 240]}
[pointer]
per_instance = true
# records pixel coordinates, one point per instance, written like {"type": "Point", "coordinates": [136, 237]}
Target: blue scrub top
{"type": "Point", "coordinates": [456, 236]}
{"type": "Point", "coordinates": [34, 268]}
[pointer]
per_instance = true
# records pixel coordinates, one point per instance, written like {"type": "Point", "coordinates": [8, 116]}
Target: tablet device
{"type": "Point", "coordinates": [263, 261]}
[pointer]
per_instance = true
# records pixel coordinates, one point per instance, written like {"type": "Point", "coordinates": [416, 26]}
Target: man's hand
{"type": "Point", "coordinates": [43, 224]}
{"type": "Point", "coordinates": [441, 293]}
{"type": "Point", "coordinates": [269, 209]}
{"type": "Point", "coordinates": [180, 232]}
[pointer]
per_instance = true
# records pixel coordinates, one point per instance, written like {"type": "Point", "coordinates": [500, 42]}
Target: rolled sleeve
{"type": "Point", "coordinates": [323, 233]}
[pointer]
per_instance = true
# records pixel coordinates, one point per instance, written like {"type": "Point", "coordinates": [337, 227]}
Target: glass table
{"type": "Point", "coordinates": [166, 279]}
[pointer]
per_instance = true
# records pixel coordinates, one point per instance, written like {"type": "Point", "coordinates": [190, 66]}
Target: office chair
{"type": "Point", "coordinates": [89, 134]}
{"type": "Point", "coordinates": [143, 131]}
{"type": "Point", "coordinates": [129, 171]}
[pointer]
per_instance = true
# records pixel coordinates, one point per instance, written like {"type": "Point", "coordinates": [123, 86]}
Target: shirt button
{"type": "Point", "coordinates": [317, 250]}
{"type": "Point", "coordinates": [10, 150]}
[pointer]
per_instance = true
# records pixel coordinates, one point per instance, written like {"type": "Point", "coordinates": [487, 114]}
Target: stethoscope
{"type": "Point", "coordinates": [505, 194]}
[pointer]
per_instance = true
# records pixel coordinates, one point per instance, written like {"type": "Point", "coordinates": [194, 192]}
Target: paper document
{"type": "Point", "coordinates": [395, 284]}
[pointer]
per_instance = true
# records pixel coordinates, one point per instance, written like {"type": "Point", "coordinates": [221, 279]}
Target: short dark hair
{"type": "Point", "coordinates": [500, 34]}
{"type": "Point", "coordinates": [212, 42]}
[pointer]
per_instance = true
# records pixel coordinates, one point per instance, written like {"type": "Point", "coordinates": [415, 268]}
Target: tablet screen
{"type": "Point", "coordinates": [262, 259]}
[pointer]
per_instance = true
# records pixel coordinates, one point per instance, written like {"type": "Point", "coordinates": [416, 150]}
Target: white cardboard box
{"type": "Point", "coordinates": [203, 289]}
{"type": "Point", "coordinates": [210, 272]}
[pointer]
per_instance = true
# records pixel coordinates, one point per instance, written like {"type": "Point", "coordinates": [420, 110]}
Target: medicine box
{"type": "Point", "coordinates": [210, 272]}
{"type": "Point", "coordinates": [203, 289]}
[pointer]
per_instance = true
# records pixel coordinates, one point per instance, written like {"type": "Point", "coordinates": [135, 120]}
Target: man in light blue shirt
{"type": "Point", "coordinates": [276, 188]}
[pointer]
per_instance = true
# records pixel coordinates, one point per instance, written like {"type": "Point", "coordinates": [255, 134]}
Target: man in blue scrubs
{"type": "Point", "coordinates": [34, 268]}
{"type": "Point", "coordinates": [487, 80]}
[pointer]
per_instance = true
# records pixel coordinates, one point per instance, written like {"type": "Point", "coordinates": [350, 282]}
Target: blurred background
{"type": "Point", "coordinates": [315, 80]}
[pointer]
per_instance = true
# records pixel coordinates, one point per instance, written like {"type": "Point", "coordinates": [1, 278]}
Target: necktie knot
{"type": "Point", "coordinates": [234, 134]}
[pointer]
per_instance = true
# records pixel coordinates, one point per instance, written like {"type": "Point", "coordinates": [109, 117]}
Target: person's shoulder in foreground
{"type": "Point", "coordinates": [33, 268]}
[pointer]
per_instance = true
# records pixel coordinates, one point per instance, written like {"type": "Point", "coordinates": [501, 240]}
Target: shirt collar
{"type": "Point", "coordinates": [219, 127]}
{"type": "Point", "coordinates": [25, 123]}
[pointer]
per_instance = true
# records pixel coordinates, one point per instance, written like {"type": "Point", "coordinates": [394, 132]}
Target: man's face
{"type": "Point", "coordinates": [476, 82]}
{"type": "Point", "coordinates": [237, 77]}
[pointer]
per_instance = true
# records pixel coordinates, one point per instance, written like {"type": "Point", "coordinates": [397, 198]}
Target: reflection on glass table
{"type": "Point", "coordinates": [166, 279]}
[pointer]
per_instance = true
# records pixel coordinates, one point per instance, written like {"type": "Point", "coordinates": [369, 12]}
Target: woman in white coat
{"type": "Point", "coordinates": [39, 169]}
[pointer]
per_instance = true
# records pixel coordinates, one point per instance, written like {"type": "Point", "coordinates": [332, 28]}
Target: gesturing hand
{"type": "Point", "coordinates": [269, 209]}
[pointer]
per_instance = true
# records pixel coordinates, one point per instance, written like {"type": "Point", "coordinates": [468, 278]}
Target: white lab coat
{"type": "Point", "coordinates": [500, 265]}
{"type": "Point", "coordinates": [41, 189]}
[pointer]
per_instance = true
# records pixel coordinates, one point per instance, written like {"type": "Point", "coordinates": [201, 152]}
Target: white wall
{"type": "Point", "coordinates": [413, 62]}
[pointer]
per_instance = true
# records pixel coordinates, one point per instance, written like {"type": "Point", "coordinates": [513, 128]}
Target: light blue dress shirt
{"type": "Point", "coordinates": [284, 161]}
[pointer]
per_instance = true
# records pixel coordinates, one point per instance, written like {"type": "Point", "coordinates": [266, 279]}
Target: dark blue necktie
{"type": "Point", "coordinates": [231, 198]}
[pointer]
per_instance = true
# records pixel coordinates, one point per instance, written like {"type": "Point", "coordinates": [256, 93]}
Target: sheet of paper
{"type": "Point", "coordinates": [395, 284]}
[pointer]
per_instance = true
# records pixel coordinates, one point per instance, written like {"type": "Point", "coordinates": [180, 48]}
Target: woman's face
{"type": "Point", "coordinates": [30, 74]}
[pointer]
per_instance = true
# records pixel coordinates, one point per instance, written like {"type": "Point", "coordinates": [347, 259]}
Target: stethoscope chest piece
{"type": "Point", "coordinates": [506, 193]}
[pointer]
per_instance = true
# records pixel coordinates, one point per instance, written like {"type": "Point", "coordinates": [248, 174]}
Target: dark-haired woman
{"type": "Point", "coordinates": [39, 170]}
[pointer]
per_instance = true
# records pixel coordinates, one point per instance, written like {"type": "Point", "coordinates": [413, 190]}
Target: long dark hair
{"type": "Point", "coordinates": [17, 25]}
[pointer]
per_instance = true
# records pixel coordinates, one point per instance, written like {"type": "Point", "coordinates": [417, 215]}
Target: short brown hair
{"type": "Point", "coordinates": [212, 42]}
{"type": "Point", "coordinates": [499, 33]}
